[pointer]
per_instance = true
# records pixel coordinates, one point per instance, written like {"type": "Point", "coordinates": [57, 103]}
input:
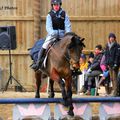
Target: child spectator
{"type": "Point", "coordinates": [83, 63]}
{"type": "Point", "coordinates": [83, 68]}
{"type": "Point", "coordinates": [90, 59]}
{"type": "Point", "coordinates": [106, 77]}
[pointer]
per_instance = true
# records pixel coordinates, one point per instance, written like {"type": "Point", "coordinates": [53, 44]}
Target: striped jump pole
{"type": "Point", "coordinates": [109, 106]}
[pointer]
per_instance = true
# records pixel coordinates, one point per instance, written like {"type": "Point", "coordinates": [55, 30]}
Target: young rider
{"type": "Point", "coordinates": [57, 24]}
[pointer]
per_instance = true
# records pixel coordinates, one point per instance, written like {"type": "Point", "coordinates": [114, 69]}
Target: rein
{"type": "Point", "coordinates": [66, 56]}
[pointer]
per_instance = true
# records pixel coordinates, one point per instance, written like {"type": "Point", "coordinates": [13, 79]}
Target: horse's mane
{"type": "Point", "coordinates": [70, 33]}
{"type": "Point", "coordinates": [76, 36]}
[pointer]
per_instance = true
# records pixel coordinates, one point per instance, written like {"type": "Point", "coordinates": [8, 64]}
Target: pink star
{"type": "Point", "coordinates": [115, 109]}
{"type": "Point", "coordinates": [77, 111]}
{"type": "Point", "coordinates": [31, 110]}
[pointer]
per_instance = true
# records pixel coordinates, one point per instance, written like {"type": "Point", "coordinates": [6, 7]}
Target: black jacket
{"type": "Point", "coordinates": [112, 55]}
{"type": "Point", "coordinates": [96, 62]}
{"type": "Point", "coordinates": [58, 19]}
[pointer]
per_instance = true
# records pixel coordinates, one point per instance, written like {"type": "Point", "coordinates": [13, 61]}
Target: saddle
{"type": "Point", "coordinates": [34, 50]}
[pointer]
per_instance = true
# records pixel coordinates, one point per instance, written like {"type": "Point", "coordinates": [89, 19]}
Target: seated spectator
{"type": "Point", "coordinates": [105, 79]}
{"type": "Point", "coordinates": [90, 59]}
{"type": "Point", "coordinates": [85, 85]}
{"type": "Point", "coordinates": [94, 70]}
{"type": "Point", "coordinates": [83, 63]}
{"type": "Point", "coordinates": [83, 68]}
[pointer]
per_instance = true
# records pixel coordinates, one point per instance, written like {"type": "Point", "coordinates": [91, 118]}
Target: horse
{"type": "Point", "coordinates": [62, 57]}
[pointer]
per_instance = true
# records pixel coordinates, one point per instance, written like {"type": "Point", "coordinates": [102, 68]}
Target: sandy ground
{"type": "Point", "coordinates": [6, 110]}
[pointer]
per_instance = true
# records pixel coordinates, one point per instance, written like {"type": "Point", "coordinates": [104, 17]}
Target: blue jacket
{"type": "Point", "coordinates": [53, 32]}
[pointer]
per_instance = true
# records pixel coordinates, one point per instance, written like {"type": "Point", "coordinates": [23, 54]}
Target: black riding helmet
{"type": "Point", "coordinates": [56, 2]}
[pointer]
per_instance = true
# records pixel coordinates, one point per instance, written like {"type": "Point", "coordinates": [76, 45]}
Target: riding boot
{"type": "Point", "coordinates": [41, 56]}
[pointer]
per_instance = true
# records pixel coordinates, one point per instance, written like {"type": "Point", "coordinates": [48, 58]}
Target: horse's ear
{"type": "Point", "coordinates": [82, 42]}
{"type": "Point", "coordinates": [72, 42]}
{"type": "Point", "coordinates": [82, 39]}
{"type": "Point", "coordinates": [72, 39]}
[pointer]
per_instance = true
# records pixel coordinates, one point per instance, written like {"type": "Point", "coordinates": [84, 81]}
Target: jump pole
{"type": "Point", "coordinates": [57, 100]}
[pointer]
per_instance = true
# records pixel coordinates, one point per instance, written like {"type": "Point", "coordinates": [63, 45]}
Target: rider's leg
{"type": "Point", "coordinates": [40, 59]}
{"type": "Point", "coordinates": [41, 54]}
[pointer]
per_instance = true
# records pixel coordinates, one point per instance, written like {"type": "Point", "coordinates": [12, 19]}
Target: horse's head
{"type": "Point", "coordinates": [74, 50]}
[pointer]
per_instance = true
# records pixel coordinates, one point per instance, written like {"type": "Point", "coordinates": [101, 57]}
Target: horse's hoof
{"type": "Point", "coordinates": [71, 113]}
{"type": "Point", "coordinates": [37, 96]}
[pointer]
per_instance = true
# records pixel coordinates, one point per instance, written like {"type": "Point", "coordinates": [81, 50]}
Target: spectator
{"type": "Point", "coordinates": [83, 68]}
{"type": "Point", "coordinates": [85, 85]}
{"type": "Point", "coordinates": [105, 79]}
{"type": "Point", "coordinates": [90, 59]}
{"type": "Point", "coordinates": [83, 63]}
{"type": "Point", "coordinates": [118, 79]}
{"type": "Point", "coordinates": [112, 60]}
{"type": "Point", "coordinates": [94, 70]}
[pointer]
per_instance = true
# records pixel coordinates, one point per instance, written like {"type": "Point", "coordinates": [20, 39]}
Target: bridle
{"type": "Point", "coordinates": [70, 60]}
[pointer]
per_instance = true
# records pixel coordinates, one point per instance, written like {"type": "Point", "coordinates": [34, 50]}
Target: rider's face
{"type": "Point", "coordinates": [56, 7]}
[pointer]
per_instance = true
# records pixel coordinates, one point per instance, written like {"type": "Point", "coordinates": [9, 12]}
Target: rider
{"type": "Point", "coordinates": [57, 24]}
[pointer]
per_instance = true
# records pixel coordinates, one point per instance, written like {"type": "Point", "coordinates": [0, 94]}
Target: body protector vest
{"type": "Point", "coordinates": [58, 19]}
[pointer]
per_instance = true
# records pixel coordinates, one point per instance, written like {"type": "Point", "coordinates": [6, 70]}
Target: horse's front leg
{"type": "Point", "coordinates": [51, 92]}
{"type": "Point", "coordinates": [68, 85]}
{"type": "Point", "coordinates": [38, 83]}
{"type": "Point", "coordinates": [64, 96]}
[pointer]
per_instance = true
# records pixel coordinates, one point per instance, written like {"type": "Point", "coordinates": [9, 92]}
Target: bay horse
{"type": "Point", "coordinates": [63, 56]}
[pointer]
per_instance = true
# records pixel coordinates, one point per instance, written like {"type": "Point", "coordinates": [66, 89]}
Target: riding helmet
{"type": "Point", "coordinates": [56, 2]}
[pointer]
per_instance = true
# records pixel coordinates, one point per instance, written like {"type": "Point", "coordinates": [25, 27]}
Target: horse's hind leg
{"type": "Point", "coordinates": [38, 83]}
{"type": "Point", "coordinates": [51, 92]}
